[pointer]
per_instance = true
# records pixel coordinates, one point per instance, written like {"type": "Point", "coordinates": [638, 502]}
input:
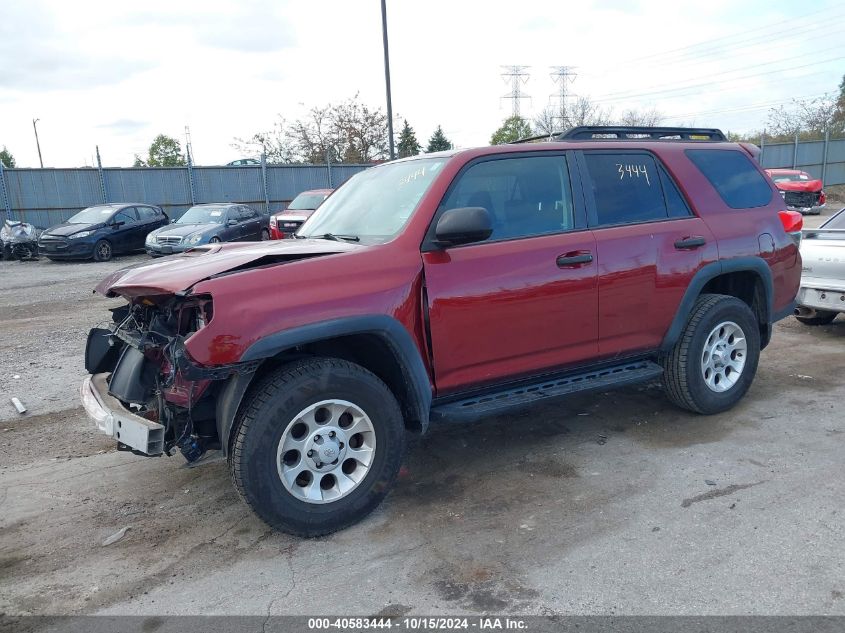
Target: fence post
{"type": "Point", "coordinates": [7, 205]}
{"type": "Point", "coordinates": [824, 155]}
{"type": "Point", "coordinates": [102, 176]}
{"type": "Point", "coordinates": [264, 181]}
{"type": "Point", "coordinates": [762, 145]}
{"type": "Point", "coordinates": [329, 167]}
{"type": "Point", "coordinates": [795, 152]}
{"type": "Point", "coordinates": [191, 178]}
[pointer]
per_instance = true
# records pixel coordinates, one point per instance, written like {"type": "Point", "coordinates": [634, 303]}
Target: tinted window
{"type": "Point", "coordinates": [626, 188]}
{"type": "Point", "coordinates": [525, 196]}
{"type": "Point", "coordinates": [674, 200]}
{"type": "Point", "coordinates": [247, 213]}
{"type": "Point", "coordinates": [128, 215]}
{"type": "Point", "coordinates": [147, 213]}
{"type": "Point", "coordinates": [734, 176]}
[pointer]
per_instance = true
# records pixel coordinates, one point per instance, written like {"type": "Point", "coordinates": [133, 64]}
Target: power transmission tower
{"type": "Point", "coordinates": [189, 149]}
{"type": "Point", "coordinates": [517, 76]}
{"type": "Point", "coordinates": [562, 76]}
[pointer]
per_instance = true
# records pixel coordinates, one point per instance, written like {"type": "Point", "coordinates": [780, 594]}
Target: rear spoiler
{"type": "Point", "coordinates": [752, 150]}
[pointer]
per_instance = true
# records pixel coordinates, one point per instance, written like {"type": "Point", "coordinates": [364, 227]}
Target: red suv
{"type": "Point", "coordinates": [285, 223]}
{"type": "Point", "coordinates": [448, 287]}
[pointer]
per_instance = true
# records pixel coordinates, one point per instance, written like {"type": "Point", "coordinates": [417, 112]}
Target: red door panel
{"type": "Point", "coordinates": [642, 279]}
{"type": "Point", "coordinates": [498, 310]}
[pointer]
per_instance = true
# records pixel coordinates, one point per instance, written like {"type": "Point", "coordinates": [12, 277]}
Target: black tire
{"type": "Point", "coordinates": [683, 376]}
{"type": "Point", "coordinates": [214, 240]}
{"type": "Point", "coordinates": [265, 235]}
{"type": "Point", "coordinates": [822, 317]}
{"type": "Point", "coordinates": [103, 251]}
{"type": "Point", "coordinates": [270, 408]}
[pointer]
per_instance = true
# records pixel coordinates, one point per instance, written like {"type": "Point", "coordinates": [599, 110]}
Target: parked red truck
{"type": "Point", "coordinates": [448, 287]}
{"type": "Point", "coordinates": [801, 192]}
{"type": "Point", "coordinates": [285, 223]}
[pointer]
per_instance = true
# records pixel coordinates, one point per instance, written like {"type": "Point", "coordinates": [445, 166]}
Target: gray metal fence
{"type": "Point", "coordinates": [821, 159]}
{"type": "Point", "coordinates": [45, 197]}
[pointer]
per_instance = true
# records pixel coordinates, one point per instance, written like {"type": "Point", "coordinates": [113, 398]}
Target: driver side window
{"type": "Point", "coordinates": [525, 196]}
{"type": "Point", "coordinates": [127, 216]}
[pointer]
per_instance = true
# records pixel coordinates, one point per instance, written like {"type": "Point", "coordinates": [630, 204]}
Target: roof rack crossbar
{"type": "Point", "coordinates": [624, 132]}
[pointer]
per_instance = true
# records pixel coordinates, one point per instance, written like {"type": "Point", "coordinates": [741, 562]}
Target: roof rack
{"type": "Point", "coordinates": [620, 132]}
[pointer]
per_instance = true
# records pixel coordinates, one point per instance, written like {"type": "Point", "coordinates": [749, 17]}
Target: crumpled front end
{"type": "Point", "coordinates": [145, 390]}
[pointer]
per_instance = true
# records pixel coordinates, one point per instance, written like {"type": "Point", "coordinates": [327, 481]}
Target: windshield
{"type": "Point", "coordinates": [203, 215]}
{"type": "Point", "coordinates": [92, 215]}
{"type": "Point", "coordinates": [306, 201]}
{"type": "Point", "coordinates": [374, 204]}
{"type": "Point", "coordinates": [790, 177]}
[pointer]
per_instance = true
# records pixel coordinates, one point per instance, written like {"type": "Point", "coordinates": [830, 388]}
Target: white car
{"type": "Point", "coordinates": [822, 293]}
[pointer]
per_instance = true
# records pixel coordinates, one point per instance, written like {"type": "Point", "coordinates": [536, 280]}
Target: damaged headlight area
{"type": "Point", "coordinates": [144, 378]}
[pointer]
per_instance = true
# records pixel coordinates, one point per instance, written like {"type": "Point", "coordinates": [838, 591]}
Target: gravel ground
{"type": "Point", "coordinates": [615, 503]}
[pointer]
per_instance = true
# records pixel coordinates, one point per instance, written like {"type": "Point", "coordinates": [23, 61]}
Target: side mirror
{"type": "Point", "coordinates": [117, 224]}
{"type": "Point", "coordinates": [231, 222]}
{"type": "Point", "coordinates": [173, 220]}
{"type": "Point", "coordinates": [463, 226]}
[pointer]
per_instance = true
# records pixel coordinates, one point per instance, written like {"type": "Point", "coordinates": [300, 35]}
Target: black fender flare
{"type": "Point", "coordinates": [390, 330]}
{"type": "Point", "coordinates": [711, 271]}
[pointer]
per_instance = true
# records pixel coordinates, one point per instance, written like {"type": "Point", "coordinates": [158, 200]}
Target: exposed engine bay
{"type": "Point", "coordinates": [151, 374]}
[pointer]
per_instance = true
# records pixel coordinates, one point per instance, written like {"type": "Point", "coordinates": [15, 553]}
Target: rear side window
{"type": "Point", "coordinates": [626, 188]}
{"type": "Point", "coordinates": [734, 176]}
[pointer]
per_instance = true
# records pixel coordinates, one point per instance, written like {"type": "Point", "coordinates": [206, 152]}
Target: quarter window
{"type": "Point", "coordinates": [734, 176]}
{"type": "Point", "coordinates": [626, 188]}
{"type": "Point", "coordinates": [525, 196]}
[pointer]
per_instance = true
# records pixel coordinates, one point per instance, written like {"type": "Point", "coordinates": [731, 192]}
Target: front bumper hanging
{"type": "Point", "coordinates": [114, 420]}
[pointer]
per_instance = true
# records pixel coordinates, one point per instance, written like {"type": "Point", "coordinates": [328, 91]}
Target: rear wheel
{"type": "Point", "coordinates": [317, 446]}
{"type": "Point", "coordinates": [714, 362]}
{"type": "Point", "coordinates": [265, 235]}
{"type": "Point", "coordinates": [820, 317]}
{"type": "Point", "coordinates": [102, 251]}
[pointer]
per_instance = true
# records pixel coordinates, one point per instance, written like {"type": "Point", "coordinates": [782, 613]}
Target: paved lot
{"type": "Point", "coordinates": [600, 505]}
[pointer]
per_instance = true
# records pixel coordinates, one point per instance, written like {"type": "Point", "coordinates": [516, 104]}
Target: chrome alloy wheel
{"type": "Point", "coordinates": [723, 357]}
{"type": "Point", "coordinates": [326, 451]}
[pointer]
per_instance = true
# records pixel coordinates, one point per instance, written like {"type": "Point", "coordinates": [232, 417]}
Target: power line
{"type": "Point", "coordinates": [518, 77]}
{"type": "Point", "coordinates": [746, 108]}
{"type": "Point", "coordinates": [562, 76]}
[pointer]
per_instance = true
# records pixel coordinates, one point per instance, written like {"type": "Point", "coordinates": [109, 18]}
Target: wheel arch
{"type": "Point", "coordinates": [746, 278]}
{"type": "Point", "coordinates": [378, 343]}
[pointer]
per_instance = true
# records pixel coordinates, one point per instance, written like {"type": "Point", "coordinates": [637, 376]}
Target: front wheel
{"type": "Point", "coordinates": [713, 363]}
{"type": "Point", "coordinates": [214, 240]}
{"type": "Point", "coordinates": [102, 251]}
{"type": "Point", "coordinates": [317, 446]}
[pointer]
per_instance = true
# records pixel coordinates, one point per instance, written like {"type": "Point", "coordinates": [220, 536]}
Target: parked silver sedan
{"type": "Point", "coordinates": [822, 293]}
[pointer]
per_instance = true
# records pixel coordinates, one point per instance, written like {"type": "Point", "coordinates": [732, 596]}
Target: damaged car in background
{"type": "Point", "coordinates": [800, 190]}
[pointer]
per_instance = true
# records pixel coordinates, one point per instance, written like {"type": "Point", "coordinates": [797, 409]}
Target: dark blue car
{"type": "Point", "coordinates": [102, 231]}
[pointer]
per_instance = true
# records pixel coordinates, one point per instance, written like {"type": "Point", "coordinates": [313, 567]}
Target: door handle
{"type": "Point", "coordinates": [574, 259]}
{"type": "Point", "coordinates": [689, 243]}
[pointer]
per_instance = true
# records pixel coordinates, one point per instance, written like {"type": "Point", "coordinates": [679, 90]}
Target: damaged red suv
{"type": "Point", "coordinates": [800, 190]}
{"type": "Point", "coordinates": [447, 287]}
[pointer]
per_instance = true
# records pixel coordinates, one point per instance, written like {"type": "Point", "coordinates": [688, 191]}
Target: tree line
{"type": "Point", "coordinates": [353, 132]}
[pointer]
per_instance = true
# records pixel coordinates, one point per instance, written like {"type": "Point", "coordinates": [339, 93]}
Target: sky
{"type": "Point", "coordinates": [114, 74]}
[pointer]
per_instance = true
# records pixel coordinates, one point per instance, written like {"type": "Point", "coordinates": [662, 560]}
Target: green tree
{"type": "Point", "coordinates": [165, 151]}
{"type": "Point", "coordinates": [438, 141]}
{"type": "Point", "coordinates": [408, 144]}
{"type": "Point", "coordinates": [6, 158]}
{"type": "Point", "coordinates": [513, 129]}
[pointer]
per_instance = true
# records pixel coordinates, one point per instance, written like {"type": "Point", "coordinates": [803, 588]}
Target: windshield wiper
{"type": "Point", "coordinates": [338, 238]}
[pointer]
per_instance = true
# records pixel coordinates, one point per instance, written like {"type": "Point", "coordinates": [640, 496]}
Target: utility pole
{"type": "Point", "coordinates": [37, 143]}
{"type": "Point", "coordinates": [562, 76]}
{"type": "Point", "coordinates": [387, 79]}
{"type": "Point", "coordinates": [517, 76]}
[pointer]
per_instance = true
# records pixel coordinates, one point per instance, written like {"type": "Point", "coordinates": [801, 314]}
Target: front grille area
{"type": "Point", "coordinates": [289, 226]}
{"type": "Point", "coordinates": [801, 199]}
{"type": "Point", "coordinates": [52, 242]}
{"type": "Point", "coordinates": [169, 240]}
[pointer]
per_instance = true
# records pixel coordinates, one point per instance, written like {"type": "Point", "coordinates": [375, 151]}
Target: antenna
{"type": "Point", "coordinates": [517, 76]}
{"type": "Point", "coordinates": [562, 76]}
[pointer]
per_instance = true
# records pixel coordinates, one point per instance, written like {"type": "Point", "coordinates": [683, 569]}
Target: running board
{"type": "Point", "coordinates": [489, 404]}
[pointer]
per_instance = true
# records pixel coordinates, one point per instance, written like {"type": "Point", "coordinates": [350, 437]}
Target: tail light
{"type": "Point", "coordinates": [792, 222]}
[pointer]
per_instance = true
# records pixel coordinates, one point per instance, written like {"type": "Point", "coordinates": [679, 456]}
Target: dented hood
{"type": "Point", "coordinates": [799, 185]}
{"type": "Point", "coordinates": [176, 273]}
